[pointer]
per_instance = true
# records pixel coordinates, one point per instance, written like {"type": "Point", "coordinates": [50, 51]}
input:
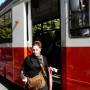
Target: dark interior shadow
{"type": "Point", "coordinates": [9, 85]}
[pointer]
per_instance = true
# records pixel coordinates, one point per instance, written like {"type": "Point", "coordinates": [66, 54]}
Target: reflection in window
{"type": "Point", "coordinates": [37, 27]}
{"type": "Point", "coordinates": [43, 28]}
{"type": "Point", "coordinates": [1, 21]}
{"type": "Point", "coordinates": [5, 27]}
{"type": "Point", "coordinates": [53, 24]}
{"type": "Point", "coordinates": [46, 26]}
{"type": "Point", "coordinates": [79, 20]}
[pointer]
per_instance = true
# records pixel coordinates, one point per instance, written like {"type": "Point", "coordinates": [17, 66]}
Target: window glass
{"type": "Point", "coordinates": [6, 27]}
{"type": "Point", "coordinates": [50, 25]}
{"type": "Point", "coordinates": [79, 19]}
{"type": "Point", "coordinates": [1, 21]}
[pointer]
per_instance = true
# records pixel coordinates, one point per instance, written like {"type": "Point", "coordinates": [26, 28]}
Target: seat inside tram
{"type": "Point", "coordinates": [46, 28]}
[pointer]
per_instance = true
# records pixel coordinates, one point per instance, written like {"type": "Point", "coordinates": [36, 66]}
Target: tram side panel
{"type": "Point", "coordinates": [78, 68]}
{"type": "Point", "coordinates": [5, 59]}
{"type": "Point", "coordinates": [78, 63]}
{"type": "Point", "coordinates": [75, 53]}
{"type": "Point", "coordinates": [9, 63]}
{"type": "Point", "coordinates": [2, 62]}
{"type": "Point", "coordinates": [19, 39]}
{"type": "Point", "coordinates": [12, 55]}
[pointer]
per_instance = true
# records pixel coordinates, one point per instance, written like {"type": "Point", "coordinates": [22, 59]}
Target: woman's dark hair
{"type": "Point", "coordinates": [38, 43]}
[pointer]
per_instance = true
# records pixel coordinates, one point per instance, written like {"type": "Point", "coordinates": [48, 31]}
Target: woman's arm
{"type": "Point", "coordinates": [23, 71]}
{"type": "Point", "coordinates": [23, 77]}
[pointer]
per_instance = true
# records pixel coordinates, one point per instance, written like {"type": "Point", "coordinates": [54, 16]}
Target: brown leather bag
{"type": "Point", "coordinates": [37, 82]}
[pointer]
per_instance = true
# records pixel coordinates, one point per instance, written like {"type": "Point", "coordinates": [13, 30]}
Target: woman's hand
{"type": "Point", "coordinates": [24, 79]}
{"type": "Point", "coordinates": [53, 69]}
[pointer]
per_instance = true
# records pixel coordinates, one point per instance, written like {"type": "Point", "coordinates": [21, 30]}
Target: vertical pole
{"type": "Point", "coordinates": [29, 25]}
{"type": "Point", "coordinates": [64, 9]}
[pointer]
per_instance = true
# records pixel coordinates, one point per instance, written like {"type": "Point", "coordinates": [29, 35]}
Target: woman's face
{"type": "Point", "coordinates": [36, 50]}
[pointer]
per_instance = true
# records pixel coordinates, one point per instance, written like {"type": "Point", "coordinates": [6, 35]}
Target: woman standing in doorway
{"type": "Point", "coordinates": [34, 64]}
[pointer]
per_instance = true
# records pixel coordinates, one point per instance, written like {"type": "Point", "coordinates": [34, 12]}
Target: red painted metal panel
{"type": "Point", "coordinates": [18, 56]}
{"type": "Point", "coordinates": [9, 64]}
{"type": "Point", "coordinates": [11, 60]}
{"type": "Point", "coordinates": [5, 60]}
{"type": "Point", "coordinates": [76, 68]}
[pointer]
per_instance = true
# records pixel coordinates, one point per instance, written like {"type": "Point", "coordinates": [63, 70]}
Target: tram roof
{"type": "Point", "coordinates": [3, 5]}
{"type": "Point", "coordinates": [9, 4]}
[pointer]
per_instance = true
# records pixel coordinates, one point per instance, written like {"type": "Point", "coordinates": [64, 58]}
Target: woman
{"type": "Point", "coordinates": [32, 65]}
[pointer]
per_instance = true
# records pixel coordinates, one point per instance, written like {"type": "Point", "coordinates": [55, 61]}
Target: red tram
{"type": "Point", "coordinates": [63, 26]}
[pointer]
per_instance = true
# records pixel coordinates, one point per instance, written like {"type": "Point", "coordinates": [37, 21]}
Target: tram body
{"type": "Point", "coordinates": [12, 53]}
{"type": "Point", "coordinates": [74, 46]}
{"type": "Point", "coordinates": [75, 57]}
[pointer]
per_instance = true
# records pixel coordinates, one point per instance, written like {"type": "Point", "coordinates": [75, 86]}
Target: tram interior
{"type": "Point", "coordinates": [46, 27]}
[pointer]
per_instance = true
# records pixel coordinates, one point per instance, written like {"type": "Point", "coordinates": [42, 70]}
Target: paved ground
{"type": "Point", "coordinates": [7, 85]}
{"type": "Point", "coordinates": [2, 87]}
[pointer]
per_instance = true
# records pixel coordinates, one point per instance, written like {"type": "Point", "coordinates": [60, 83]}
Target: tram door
{"type": "Point", "coordinates": [46, 28]}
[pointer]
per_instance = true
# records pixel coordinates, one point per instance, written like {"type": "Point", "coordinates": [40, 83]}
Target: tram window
{"type": "Point", "coordinates": [45, 27]}
{"type": "Point", "coordinates": [79, 19]}
{"type": "Point", "coordinates": [6, 27]}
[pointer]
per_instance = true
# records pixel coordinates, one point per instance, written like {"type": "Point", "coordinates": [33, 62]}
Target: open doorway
{"type": "Point", "coordinates": [46, 28]}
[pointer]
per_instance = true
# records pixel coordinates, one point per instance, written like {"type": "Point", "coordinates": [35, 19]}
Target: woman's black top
{"type": "Point", "coordinates": [31, 66]}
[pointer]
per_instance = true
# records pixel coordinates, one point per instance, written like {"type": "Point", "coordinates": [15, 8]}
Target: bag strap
{"type": "Point", "coordinates": [43, 70]}
{"type": "Point", "coordinates": [40, 60]}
